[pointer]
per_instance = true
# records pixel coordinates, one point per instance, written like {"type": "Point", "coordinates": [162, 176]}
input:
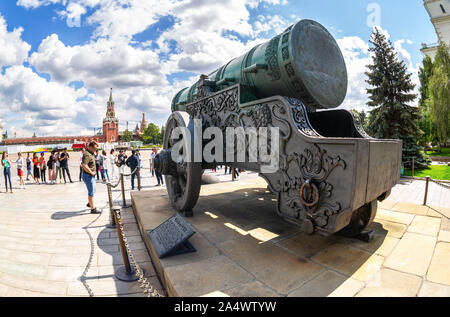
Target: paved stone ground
{"type": "Point", "coordinates": [49, 242]}
{"type": "Point", "coordinates": [47, 237]}
{"type": "Point", "coordinates": [243, 249]}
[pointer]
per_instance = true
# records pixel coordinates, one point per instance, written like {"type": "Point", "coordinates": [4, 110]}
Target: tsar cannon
{"type": "Point", "coordinates": [329, 173]}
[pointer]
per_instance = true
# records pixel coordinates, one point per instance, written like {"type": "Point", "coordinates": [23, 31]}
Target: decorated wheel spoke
{"type": "Point", "coordinates": [183, 178]}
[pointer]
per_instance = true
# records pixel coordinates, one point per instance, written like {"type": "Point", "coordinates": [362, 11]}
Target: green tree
{"type": "Point", "coordinates": [392, 117]}
{"type": "Point", "coordinates": [425, 122]}
{"type": "Point", "coordinates": [439, 94]}
{"type": "Point", "coordinates": [364, 118]}
{"type": "Point", "coordinates": [161, 135]}
{"type": "Point", "coordinates": [151, 134]}
{"type": "Point", "coordinates": [127, 136]}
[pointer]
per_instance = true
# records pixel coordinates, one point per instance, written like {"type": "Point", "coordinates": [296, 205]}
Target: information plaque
{"type": "Point", "coordinates": [171, 237]}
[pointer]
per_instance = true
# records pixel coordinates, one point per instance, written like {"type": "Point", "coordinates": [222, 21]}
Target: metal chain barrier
{"type": "Point", "coordinates": [443, 185]}
{"type": "Point", "coordinates": [147, 288]}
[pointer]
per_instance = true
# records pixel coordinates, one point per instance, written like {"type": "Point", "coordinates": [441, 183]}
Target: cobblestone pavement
{"type": "Point", "coordinates": [47, 237]}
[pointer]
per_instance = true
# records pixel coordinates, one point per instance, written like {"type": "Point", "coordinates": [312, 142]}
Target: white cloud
{"type": "Point", "coordinates": [45, 106]}
{"type": "Point", "coordinates": [205, 35]}
{"type": "Point", "coordinates": [73, 14]}
{"type": "Point", "coordinates": [355, 52]}
{"type": "Point", "coordinates": [98, 64]}
{"type": "Point", "coordinates": [33, 4]}
{"type": "Point", "coordinates": [13, 50]}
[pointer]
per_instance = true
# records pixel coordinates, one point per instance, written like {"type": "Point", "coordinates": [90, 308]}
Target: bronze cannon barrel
{"type": "Point", "coordinates": [303, 62]}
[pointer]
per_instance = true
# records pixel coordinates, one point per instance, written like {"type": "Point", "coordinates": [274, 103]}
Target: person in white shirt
{"type": "Point", "coordinates": [112, 162]}
{"type": "Point", "coordinates": [104, 163]}
{"type": "Point", "coordinates": [20, 163]}
{"type": "Point", "coordinates": [80, 161]}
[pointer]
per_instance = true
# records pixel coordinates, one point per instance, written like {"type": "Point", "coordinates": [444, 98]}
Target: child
{"type": "Point", "coordinates": [6, 171]}
{"type": "Point", "coordinates": [20, 164]}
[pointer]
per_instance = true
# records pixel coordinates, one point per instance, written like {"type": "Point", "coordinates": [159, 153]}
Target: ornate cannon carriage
{"type": "Point", "coordinates": [330, 173]}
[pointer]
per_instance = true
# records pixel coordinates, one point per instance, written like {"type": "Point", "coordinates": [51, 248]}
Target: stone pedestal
{"type": "Point", "coordinates": [244, 249]}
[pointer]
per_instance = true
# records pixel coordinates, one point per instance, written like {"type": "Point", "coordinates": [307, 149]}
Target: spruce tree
{"type": "Point", "coordinates": [392, 117]}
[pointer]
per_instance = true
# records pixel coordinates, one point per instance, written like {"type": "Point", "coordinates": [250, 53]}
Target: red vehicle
{"type": "Point", "coordinates": [79, 146]}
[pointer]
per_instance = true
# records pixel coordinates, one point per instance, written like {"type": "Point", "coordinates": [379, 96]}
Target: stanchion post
{"type": "Point", "coordinates": [413, 166]}
{"type": "Point", "coordinates": [125, 273]}
{"type": "Point", "coordinates": [112, 225]}
{"type": "Point", "coordinates": [138, 174]}
{"type": "Point", "coordinates": [232, 174]}
{"type": "Point", "coordinates": [426, 191]}
{"type": "Point", "coordinates": [122, 184]}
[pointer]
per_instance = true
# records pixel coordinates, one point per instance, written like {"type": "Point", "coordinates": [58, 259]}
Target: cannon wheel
{"type": "Point", "coordinates": [361, 219]}
{"type": "Point", "coordinates": [184, 188]}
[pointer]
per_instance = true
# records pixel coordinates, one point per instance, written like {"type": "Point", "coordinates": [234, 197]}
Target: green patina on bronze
{"type": "Point", "coordinates": [303, 62]}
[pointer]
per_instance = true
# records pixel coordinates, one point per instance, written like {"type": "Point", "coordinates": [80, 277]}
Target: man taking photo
{"type": "Point", "coordinates": [89, 171]}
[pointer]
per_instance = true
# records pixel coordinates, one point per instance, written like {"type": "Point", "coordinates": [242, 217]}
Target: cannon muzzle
{"type": "Point", "coordinates": [303, 62]}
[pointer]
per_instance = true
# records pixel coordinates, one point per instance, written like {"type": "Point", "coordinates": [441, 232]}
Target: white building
{"type": "Point", "coordinates": [439, 12]}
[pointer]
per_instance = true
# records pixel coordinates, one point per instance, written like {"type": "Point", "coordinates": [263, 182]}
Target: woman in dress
{"type": "Point", "coordinates": [36, 173]}
{"type": "Point", "coordinates": [112, 162]}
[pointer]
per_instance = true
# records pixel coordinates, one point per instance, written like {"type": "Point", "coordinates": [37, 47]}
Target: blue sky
{"type": "Point", "coordinates": [63, 55]}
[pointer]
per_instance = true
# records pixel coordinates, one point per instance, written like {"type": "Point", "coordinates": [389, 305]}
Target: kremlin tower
{"type": "Point", "coordinates": [110, 122]}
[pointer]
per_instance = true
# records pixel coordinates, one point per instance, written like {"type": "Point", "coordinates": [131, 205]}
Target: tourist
{"type": "Point", "coordinates": [138, 153]}
{"type": "Point", "coordinates": [133, 163]}
{"type": "Point", "coordinates": [58, 166]}
{"type": "Point", "coordinates": [36, 173]}
{"type": "Point", "coordinates": [121, 161]}
{"type": "Point", "coordinates": [42, 168]}
{"type": "Point", "coordinates": [104, 165]}
{"type": "Point", "coordinates": [51, 168]}
{"type": "Point", "coordinates": [20, 164]}
{"type": "Point", "coordinates": [236, 173]}
{"type": "Point", "coordinates": [112, 162]}
{"type": "Point", "coordinates": [97, 164]}
{"type": "Point", "coordinates": [80, 160]}
{"type": "Point", "coordinates": [152, 162]}
{"type": "Point", "coordinates": [64, 161]}
{"type": "Point", "coordinates": [159, 177]}
{"type": "Point", "coordinates": [7, 171]}
{"type": "Point", "coordinates": [89, 171]}
{"type": "Point", "coordinates": [29, 168]}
